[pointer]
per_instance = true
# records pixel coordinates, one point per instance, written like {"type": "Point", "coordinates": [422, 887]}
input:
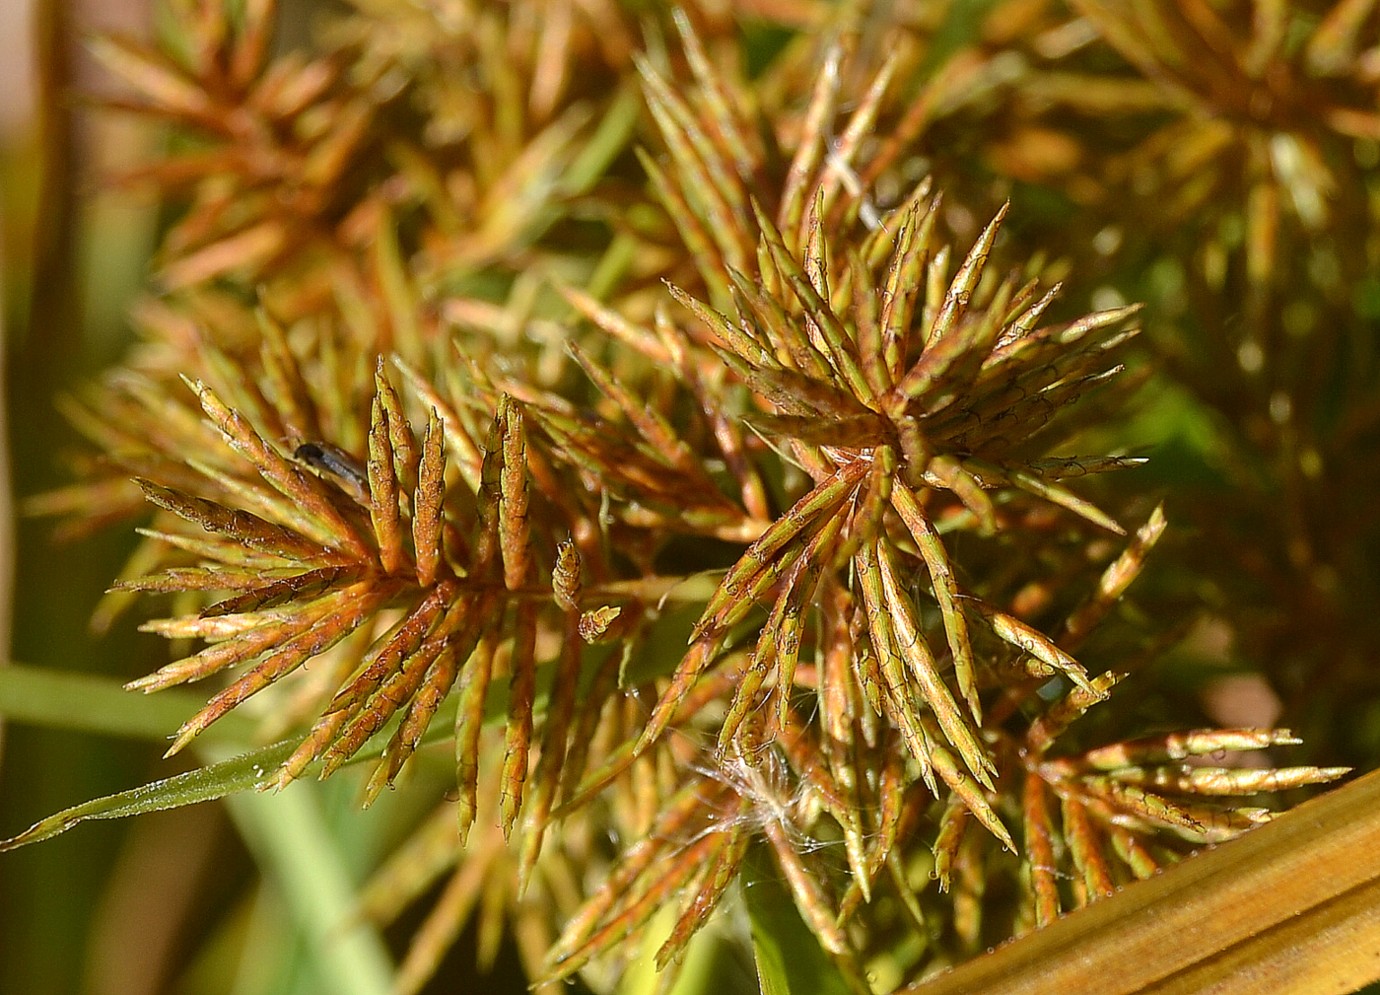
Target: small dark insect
{"type": "Point", "coordinates": [340, 465]}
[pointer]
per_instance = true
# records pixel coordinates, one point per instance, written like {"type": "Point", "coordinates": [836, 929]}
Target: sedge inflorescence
{"type": "Point", "coordinates": [646, 431]}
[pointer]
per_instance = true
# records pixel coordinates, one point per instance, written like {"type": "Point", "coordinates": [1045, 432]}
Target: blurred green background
{"type": "Point", "coordinates": [72, 259]}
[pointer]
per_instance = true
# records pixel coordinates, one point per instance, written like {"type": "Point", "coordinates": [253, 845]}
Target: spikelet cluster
{"type": "Point", "coordinates": [675, 433]}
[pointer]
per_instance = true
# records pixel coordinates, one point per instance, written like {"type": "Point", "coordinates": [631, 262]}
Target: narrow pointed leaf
{"type": "Point", "coordinates": [243, 773]}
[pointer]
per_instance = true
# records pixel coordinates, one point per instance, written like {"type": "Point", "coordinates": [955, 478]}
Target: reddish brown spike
{"type": "Point", "coordinates": [428, 504]}
{"type": "Point", "coordinates": [401, 441]}
{"type": "Point", "coordinates": [462, 443]}
{"type": "Point", "coordinates": [1086, 851]}
{"type": "Point", "coordinates": [636, 911]}
{"type": "Point", "coordinates": [240, 526]}
{"type": "Point", "coordinates": [514, 530]}
{"type": "Point", "coordinates": [736, 339]}
{"type": "Point", "coordinates": [297, 587]}
{"type": "Point", "coordinates": [1134, 854]}
{"type": "Point", "coordinates": [323, 733]}
{"type": "Point", "coordinates": [560, 710]}
{"type": "Point", "coordinates": [1037, 644]}
{"type": "Point", "coordinates": [287, 384]}
{"type": "Point", "coordinates": [834, 339]}
{"type": "Point", "coordinates": [469, 726]}
{"type": "Point", "coordinates": [1227, 781]}
{"type": "Point", "coordinates": [617, 326]}
{"type": "Point", "coordinates": [946, 592]}
{"type": "Point", "coordinates": [779, 326]}
{"type": "Point", "coordinates": [962, 785]}
{"type": "Point", "coordinates": [720, 872]}
{"type": "Point", "coordinates": [693, 232]}
{"type": "Point", "coordinates": [650, 424]}
{"type": "Point", "coordinates": [1145, 807]}
{"type": "Point", "coordinates": [436, 684]}
{"type": "Point", "coordinates": [953, 824]}
{"type": "Point", "coordinates": [218, 578]}
{"type": "Point", "coordinates": [1114, 581]}
{"type": "Point", "coordinates": [488, 550]}
{"type": "Point", "coordinates": [674, 821]}
{"type": "Point", "coordinates": [813, 141]}
{"type": "Point", "coordinates": [884, 667]}
{"type": "Point", "coordinates": [246, 646]}
{"type": "Point", "coordinates": [384, 510]}
{"type": "Point", "coordinates": [810, 899]}
{"type": "Point", "coordinates": [522, 690]}
{"type": "Point", "coordinates": [911, 644]}
{"type": "Point", "coordinates": [317, 514]}
{"type": "Point", "coordinates": [1177, 746]}
{"type": "Point", "coordinates": [1048, 727]}
{"type": "Point", "coordinates": [447, 919]}
{"type": "Point", "coordinates": [758, 556]}
{"type": "Point", "coordinates": [897, 808]}
{"type": "Point", "coordinates": [1039, 851]}
{"type": "Point", "coordinates": [567, 577]}
{"type": "Point", "coordinates": [719, 191]}
{"type": "Point", "coordinates": [778, 646]}
{"type": "Point", "coordinates": [951, 473]}
{"type": "Point", "coordinates": [965, 281]}
{"type": "Point", "coordinates": [585, 722]}
{"type": "Point", "coordinates": [387, 653]}
{"type": "Point", "coordinates": [286, 657]}
{"type": "Point", "coordinates": [393, 694]}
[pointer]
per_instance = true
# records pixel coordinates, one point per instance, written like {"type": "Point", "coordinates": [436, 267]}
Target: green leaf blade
{"type": "Point", "coordinates": [790, 960]}
{"type": "Point", "coordinates": [201, 785]}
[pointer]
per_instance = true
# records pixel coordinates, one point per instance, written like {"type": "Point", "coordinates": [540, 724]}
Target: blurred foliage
{"type": "Point", "coordinates": [714, 446]}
